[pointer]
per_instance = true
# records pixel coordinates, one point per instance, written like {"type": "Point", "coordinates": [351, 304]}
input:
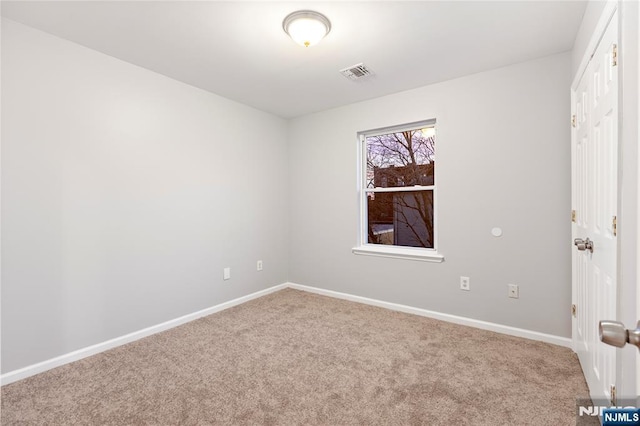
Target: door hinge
{"type": "Point", "coordinates": [573, 120]}
{"type": "Point", "coordinates": [574, 310]}
{"type": "Point", "coordinates": [573, 215]}
{"type": "Point", "coordinates": [614, 397]}
{"type": "Point", "coordinates": [614, 55]}
{"type": "Point", "coordinates": [614, 225]}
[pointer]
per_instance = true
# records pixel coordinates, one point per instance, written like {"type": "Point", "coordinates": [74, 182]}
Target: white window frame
{"type": "Point", "coordinates": [363, 246]}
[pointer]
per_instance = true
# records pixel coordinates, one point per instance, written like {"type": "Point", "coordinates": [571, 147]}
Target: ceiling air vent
{"type": "Point", "coordinates": [356, 72]}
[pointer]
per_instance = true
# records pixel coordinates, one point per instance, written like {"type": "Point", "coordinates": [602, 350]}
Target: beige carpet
{"type": "Point", "coordinates": [298, 358]}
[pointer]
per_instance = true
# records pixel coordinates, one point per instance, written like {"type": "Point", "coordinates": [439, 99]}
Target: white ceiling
{"type": "Point", "coordinates": [238, 49]}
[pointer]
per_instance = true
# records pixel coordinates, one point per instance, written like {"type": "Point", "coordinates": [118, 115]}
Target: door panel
{"type": "Point", "coordinates": [594, 197]}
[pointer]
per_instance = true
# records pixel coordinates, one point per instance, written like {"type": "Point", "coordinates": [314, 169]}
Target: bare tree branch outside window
{"type": "Point", "coordinates": [401, 159]}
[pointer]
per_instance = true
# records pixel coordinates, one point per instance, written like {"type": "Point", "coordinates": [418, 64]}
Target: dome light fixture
{"type": "Point", "coordinates": [306, 27]}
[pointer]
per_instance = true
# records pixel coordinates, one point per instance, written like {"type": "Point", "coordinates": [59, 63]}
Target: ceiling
{"type": "Point", "coordinates": [238, 49]}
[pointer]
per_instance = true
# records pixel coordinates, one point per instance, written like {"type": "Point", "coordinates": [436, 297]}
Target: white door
{"type": "Point", "coordinates": [594, 198]}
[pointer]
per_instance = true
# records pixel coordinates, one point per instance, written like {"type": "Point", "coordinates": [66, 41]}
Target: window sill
{"type": "Point", "coordinates": [399, 253]}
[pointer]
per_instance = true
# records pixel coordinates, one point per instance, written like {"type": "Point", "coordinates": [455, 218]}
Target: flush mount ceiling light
{"type": "Point", "coordinates": [306, 27]}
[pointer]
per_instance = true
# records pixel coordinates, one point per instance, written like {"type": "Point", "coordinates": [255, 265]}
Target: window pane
{"type": "Point", "coordinates": [401, 218]}
{"type": "Point", "coordinates": [401, 159]}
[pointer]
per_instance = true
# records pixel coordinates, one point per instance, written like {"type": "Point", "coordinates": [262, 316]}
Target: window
{"type": "Point", "coordinates": [397, 192]}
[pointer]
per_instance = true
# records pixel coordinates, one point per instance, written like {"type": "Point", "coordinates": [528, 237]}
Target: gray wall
{"type": "Point", "coordinates": [589, 21]}
{"type": "Point", "coordinates": [124, 194]}
{"type": "Point", "coordinates": [503, 155]}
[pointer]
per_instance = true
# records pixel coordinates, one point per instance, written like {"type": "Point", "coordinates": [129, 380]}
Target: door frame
{"type": "Point", "coordinates": [628, 375]}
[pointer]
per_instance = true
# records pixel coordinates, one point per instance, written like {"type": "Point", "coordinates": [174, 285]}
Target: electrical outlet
{"type": "Point", "coordinates": [465, 283]}
{"type": "Point", "coordinates": [514, 293]}
{"type": "Point", "coordinates": [259, 265]}
{"type": "Point", "coordinates": [226, 274]}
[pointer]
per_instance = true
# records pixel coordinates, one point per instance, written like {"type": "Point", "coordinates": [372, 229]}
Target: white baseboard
{"type": "Point", "coordinates": [58, 361]}
{"type": "Point", "coordinates": [40, 367]}
{"type": "Point", "coordinates": [484, 325]}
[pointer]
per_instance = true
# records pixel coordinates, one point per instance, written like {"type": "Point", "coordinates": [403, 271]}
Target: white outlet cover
{"type": "Point", "coordinates": [496, 232]}
{"type": "Point", "coordinates": [465, 283]}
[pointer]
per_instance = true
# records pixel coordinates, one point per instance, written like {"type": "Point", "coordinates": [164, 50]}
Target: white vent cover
{"type": "Point", "coordinates": [356, 72]}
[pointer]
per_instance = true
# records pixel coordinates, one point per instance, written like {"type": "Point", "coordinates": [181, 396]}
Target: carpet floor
{"type": "Point", "coordinates": [293, 357]}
